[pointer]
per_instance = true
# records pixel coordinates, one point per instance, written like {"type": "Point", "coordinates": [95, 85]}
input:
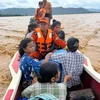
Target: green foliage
{"type": "Point", "coordinates": [8, 15]}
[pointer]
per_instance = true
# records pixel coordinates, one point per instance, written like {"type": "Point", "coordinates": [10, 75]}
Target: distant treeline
{"type": "Point", "coordinates": [55, 11]}
{"type": "Point", "coordinates": [8, 15]}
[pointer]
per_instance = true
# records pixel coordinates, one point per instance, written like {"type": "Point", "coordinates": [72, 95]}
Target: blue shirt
{"type": "Point", "coordinates": [27, 65]}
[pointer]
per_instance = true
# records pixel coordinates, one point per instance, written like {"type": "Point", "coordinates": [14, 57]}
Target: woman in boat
{"type": "Point", "coordinates": [56, 26]}
{"type": "Point", "coordinates": [40, 12]}
{"type": "Point", "coordinates": [28, 65]}
{"type": "Point", "coordinates": [49, 75]}
{"type": "Point", "coordinates": [72, 63]}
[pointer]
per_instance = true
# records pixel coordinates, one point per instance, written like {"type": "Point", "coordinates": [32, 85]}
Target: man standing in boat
{"type": "Point", "coordinates": [48, 7]}
{"type": "Point", "coordinates": [40, 12]}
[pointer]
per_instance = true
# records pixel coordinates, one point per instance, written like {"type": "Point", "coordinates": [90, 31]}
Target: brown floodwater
{"type": "Point", "coordinates": [86, 27]}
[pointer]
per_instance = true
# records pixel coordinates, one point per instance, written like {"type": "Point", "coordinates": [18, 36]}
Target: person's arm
{"type": "Point", "coordinates": [50, 8]}
{"type": "Point", "coordinates": [67, 78]}
{"type": "Point", "coordinates": [27, 92]}
{"type": "Point", "coordinates": [36, 64]}
{"type": "Point", "coordinates": [43, 15]}
{"type": "Point", "coordinates": [47, 57]}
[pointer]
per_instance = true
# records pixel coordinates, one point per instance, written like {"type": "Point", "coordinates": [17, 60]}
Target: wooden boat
{"type": "Point", "coordinates": [91, 79]}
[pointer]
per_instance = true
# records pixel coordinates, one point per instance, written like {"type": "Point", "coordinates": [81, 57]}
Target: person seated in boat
{"type": "Point", "coordinates": [40, 12]}
{"type": "Point", "coordinates": [56, 26]}
{"type": "Point", "coordinates": [72, 63]}
{"type": "Point", "coordinates": [49, 75]}
{"type": "Point", "coordinates": [31, 29]}
{"type": "Point", "coordinates": [28, 65]}
{"type": "Point", "coordinates": [44, 37]}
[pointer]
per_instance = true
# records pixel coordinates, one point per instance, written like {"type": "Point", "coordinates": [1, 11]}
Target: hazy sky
{"type": "Point", "coordinates": [55, 3]}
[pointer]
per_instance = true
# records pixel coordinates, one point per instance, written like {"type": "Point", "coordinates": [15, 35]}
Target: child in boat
{"type": "Point", "coordinates": [56, 26]}
{"type": "Point", "coordinates": [49, 75]}
{"type": "Point", "coordinates": [56, 29]}
{"type": "Point", "coordinates": [40, 12]}
{"type": "Point", "coordinates": [27, 64]}
{"type": "Point", "coordinates": [31, 27]}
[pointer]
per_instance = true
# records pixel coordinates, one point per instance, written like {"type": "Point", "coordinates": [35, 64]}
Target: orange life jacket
{"type": "Point", "coordinates": [40, 12]}
{"type": "Point", "coordinates": [43, 45]}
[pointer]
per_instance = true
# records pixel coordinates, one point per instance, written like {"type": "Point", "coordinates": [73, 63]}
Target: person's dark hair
{"type": "Point", "coordinates": [47, 71]}
{"type": "Point", "coordinates": [32, 26]}
{"type": "Point", "coordinates": [72, 44]}
{"type": "Point", "coordinates": [40, 3]}
{"type": "Point", "coordinates": [22, 45]}
{"type": "Point", "coordinates": [54, 20]}
{"type": "Point", "coordinates": [61, 35]}
{"type": "Point", "coordinates": [55, 23]}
